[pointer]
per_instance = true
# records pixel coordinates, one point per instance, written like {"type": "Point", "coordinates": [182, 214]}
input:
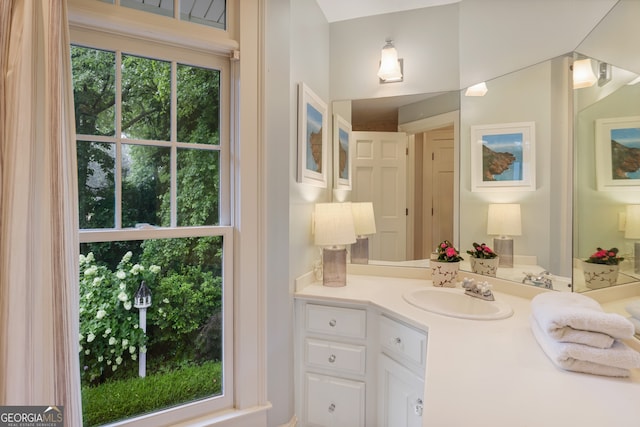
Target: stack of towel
{"type": "Point", "coordinates": [634, 310]}
{"type": "Point", "coordinates": [577, 335]}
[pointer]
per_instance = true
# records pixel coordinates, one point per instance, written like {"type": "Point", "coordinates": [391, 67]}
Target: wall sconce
{"type": "Point", "coordinates": [604, 73]}
{"type": "Point", "coordinates": [504, 220]}
{"type": "Point", "coordinates": [365, 223]}
{"type": "Point", "coordinates": [390, 66]}
{"type": "Point", "coordinates": [583, 75]}
{"type": "Point", "coordinates": [632, 231]}
{"type": "Point", "coordinates": [333, 229]}
{"type": "Point", "coordinates": [479, 89]}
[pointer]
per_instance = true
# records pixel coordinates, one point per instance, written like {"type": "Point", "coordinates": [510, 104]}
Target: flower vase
{"type": "Point", "coordinates": [597, 276]}
{"type": "Point", "coordinates": [485, 266]}
{"type": "Point", "coordinates": [443, 274]}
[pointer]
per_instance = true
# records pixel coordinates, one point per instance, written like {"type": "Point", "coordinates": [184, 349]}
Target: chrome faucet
{"type": "Point", "coordinates": [475, 289]}
{"type": "Point", "coordinates": [543, 280]}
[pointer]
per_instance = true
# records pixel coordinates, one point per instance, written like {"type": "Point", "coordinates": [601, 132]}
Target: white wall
{"type": "Point", "coordinates": [454, 46]}
{"type": "Point", "coordinates": [500, 36]}
{"type": "Point", "coordinates": [309, 38]}
{"type": "Point", "coordinates": [277, 88]}
{"type": "Point", "coordinates": [426, 39]}
{"type": "Point", "coordinates": [615, 40]}
{"type": "Point", "coordinates": [297, 50]}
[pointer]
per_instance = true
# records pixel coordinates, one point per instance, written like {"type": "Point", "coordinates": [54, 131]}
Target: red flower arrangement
{"type": "Point", "coordinates": [605, 256]}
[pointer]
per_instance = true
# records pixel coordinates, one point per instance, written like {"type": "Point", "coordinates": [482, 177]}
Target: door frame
{"type": "Point", "coordinates": [423, 125]}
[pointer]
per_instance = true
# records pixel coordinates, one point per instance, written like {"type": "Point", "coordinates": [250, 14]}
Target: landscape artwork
{"type": "Point", "coordinates": [312, 138]}
{"type": "Point", "coordinates": [503, 157]}
{"type": "Point", "coordinates": [625, 153]}
{"type": "Point", "coordinates": [617, 153]}
{"type": "Point", "coordinates": [341, 153]}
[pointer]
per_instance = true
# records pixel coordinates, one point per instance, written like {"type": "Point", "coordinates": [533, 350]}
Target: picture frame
{"type": "Point", "coordinates": [342, 155]}
{"type": "Point", "coordinates": [503, 157]}
{"type": "Point", "coordinates": [617, 153]}
{"type": "Point", "coordinates": [312, 138]}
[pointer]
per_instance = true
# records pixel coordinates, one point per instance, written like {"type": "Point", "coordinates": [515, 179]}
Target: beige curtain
{"type": "Point", "coordinates": [38, 210]}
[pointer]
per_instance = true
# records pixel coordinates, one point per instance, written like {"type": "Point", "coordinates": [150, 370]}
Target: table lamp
{"type": "Point", "coordinates": [365, 224]}
{"type": "Point", "coordinates": [632, 231]}
{"type": "Point", "coordinates": [334, 229]}
{"type": "Point", "coordinates": [503, 220]}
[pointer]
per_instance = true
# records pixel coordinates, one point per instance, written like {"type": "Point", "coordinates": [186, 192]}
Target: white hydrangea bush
{"type": "Point", "coordinates": [110, 336]}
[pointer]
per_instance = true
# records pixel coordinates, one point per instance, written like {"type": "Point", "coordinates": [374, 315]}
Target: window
{"type": "Point", "coordinates": [206, 12]}
{"type": "Point", "coordinates": [154, 197]}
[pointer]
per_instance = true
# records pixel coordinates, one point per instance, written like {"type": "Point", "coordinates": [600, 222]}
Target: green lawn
{"type": "Point", "coordinates": [116, 400]}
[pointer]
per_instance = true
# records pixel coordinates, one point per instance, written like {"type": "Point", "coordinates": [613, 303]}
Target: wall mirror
{"type": "Point", "coordinates": [607, 147]}
{"type": "Point", "coordinates": [543, 94]}
{"type": "Point", "coordinates": [438, 130]}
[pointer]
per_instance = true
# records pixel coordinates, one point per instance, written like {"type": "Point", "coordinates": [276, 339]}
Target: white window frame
{"type": "Point", "coordinates": [93, 22]}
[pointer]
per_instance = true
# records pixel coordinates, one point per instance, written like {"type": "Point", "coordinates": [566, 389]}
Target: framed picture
{"type": "Point", "coordinates": [503, 157]}
{"type": "Point", "coordinates": [312, 138]}
{"type": "Point", "coordinates": [617, 153]}
{"type": "Point", "coordinates": [341, 153]}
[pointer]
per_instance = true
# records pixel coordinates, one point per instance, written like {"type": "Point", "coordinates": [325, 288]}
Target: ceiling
{"type": "Point", "coordinates": [341, 10]}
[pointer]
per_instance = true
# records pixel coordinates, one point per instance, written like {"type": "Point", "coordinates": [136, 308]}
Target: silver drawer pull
{"type": "Point", "coordinates": [397, 340]}
{"type": "Point", "coordinates": [332, 358]}
{"type": "Point", "coordinates": [332, 407]}
{"type": "Point", "coordinates": [332, 322]}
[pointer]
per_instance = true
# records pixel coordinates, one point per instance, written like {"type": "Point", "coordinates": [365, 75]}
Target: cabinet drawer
{"type": "Point", "coordinates": [400, 340]}
{"type": "Point", "coordinates": [334, 401]}
{"type": "Point", "coordinates": [343, 322]}
{"type": "Point", "coordinates": [343, 357]}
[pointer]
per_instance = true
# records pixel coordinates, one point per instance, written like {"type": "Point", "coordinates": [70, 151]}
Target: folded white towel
{"type": "Point", "coordinates": [576, 318]}
{"type": "Point", "coordinates": [634, 309]}
{"type": "Point", "coordinates": [562, 355]}
{"type": "Point", "coordinates": [636, 324]}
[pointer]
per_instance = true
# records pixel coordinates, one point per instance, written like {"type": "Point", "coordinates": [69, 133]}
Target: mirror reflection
{"type": "Point", "coordinates": [438, 193]}
{"type": "Point", "coordinates": [607, 177]}
{"type": "Point", "coordinates": [606, 145]}
{"type": "Point", "coordinates": [570, 124]}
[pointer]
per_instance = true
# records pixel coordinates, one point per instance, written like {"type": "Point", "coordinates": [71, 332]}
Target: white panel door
{"type": "Point", "coordinates": [438, 185]}
{"type": "Point", "coordinates": [380, 176]}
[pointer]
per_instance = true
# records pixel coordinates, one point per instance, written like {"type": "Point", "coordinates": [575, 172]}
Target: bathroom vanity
{"type": "Point", "coordinates": [367, 357]}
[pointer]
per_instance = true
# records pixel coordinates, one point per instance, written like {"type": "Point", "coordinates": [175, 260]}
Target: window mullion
{"type": "Point", "coordinates": [174, 150]}
{"type": "Point", "coordinates": [118, 136]}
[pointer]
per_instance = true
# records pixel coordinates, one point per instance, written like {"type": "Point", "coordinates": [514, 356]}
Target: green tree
{"type": "Point", "coordinates": [191, 266]}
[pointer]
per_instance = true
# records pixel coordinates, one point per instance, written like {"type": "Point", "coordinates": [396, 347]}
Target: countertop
{"type": "Point", "coordinates": [492, 372]}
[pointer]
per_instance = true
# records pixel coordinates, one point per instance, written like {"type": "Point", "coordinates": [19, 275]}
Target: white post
{"type": "Point", "coordinates": [142, 361]}
{"type": "Point", "coordinates": [142, 300]}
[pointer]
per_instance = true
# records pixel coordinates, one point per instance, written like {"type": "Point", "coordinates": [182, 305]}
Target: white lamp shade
{"type": "Point", "coordinates": [632, 227]}
{"type": "Point", "coordinates": [504, 220]}
{"type": "Point", "coordinates": [363, 218]}
{"type": "Point", "coordinates": [479, 89]}
{"type": "Point", "coordinates": [334, 224]}
{"type": "Point", "coordinates": [389, 65]}
{"type": "Point", "coordinates": [583, 75]}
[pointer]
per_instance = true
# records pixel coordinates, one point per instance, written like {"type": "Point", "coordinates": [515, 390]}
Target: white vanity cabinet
{"type": "Point", "coordinates": [401, 368]}
{"type": "Point", "coordinates": [332, 364]}
{"type": "Point", "coordinates": [357, 367]}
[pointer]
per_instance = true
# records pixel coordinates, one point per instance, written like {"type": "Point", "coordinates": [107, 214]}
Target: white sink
{"type": "Point", "coordinates": [454, 303]}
